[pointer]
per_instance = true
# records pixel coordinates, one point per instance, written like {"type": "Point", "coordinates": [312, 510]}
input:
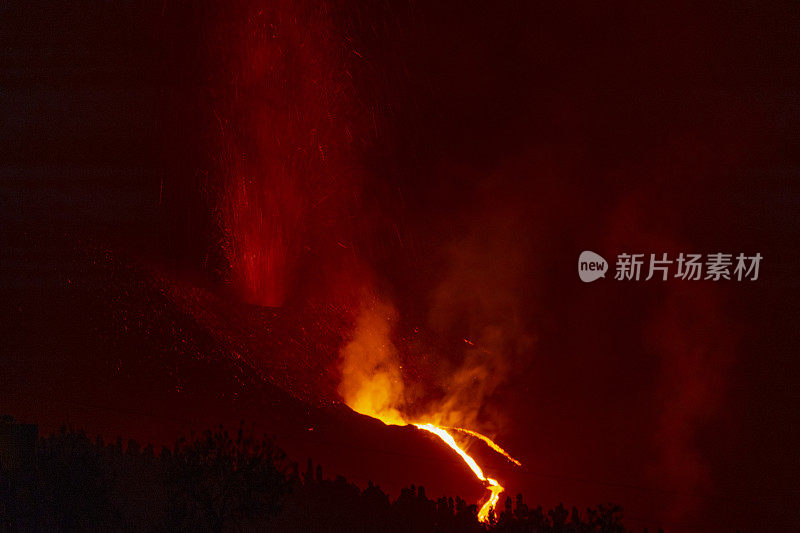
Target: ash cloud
{"type": "Point", "coordinates": [480, 302]}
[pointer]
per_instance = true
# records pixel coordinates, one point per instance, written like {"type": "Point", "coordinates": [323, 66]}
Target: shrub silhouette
{"type": "Point", "coordinates": [218, 482]}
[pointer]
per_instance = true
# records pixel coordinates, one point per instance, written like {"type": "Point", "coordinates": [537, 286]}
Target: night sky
{"type": "Point", "coordinates": [198, 201]}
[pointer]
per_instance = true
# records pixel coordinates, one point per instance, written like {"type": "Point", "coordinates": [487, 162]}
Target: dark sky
{"type": "Point", "coordinates": [195, 200]}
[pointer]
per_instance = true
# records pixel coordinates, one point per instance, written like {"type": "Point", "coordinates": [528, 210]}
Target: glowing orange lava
{"type": "Point", "coordinates": [372, 384]}
{"type": "Point", "coordinates": [489, 442]}
{"type": "Point", "coordinates": [492, 485]}
{"type": "Point", "coordinates": [394, 418]}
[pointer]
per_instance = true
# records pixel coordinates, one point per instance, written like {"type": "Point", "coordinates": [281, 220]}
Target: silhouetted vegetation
{"type": "Point", "coordinates": [219, 482]}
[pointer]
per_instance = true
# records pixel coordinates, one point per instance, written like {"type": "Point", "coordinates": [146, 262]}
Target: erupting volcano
{"type": "Point", "coordinates": [492, 485]}
{"type": "Point", "coordinates": [372, 385]}
{"type": "Point", "coordinates": [353, 226]}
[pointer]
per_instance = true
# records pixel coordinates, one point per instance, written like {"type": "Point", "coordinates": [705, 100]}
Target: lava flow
{"type": "Point", "coordinates": [492, 485]}
{"type": "Point", "coordinates": [372, 385]}
{"type": "Point", "coordinates": [489, 442]}
{"type": "Point", "coordinates": [392, 417]}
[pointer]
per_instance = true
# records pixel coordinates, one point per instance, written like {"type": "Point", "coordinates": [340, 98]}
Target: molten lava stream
{"type": "Point", "coordinates": [372, 385]}
{"type": "Point", "coordinates": [489, 442]}
{"type": "Point", "coordinates": [392, 417]}
{"type": "Point", "coordinates": [492, 485]}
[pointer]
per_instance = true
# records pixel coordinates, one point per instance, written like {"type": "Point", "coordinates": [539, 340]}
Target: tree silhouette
{"type": "Point", "coordinates": [216, 481]}
{"type": "Point", "coordinates": [68, 488]}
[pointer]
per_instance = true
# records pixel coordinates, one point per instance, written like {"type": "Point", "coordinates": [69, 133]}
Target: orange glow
{"type": "Point", "coordinates": [372, 384]}
{"type": "Point", "coordinates": [489, 442]}
{"type": "Point", "coordinates": [445, 436]}
{"type": "Point", "coordinates": [494, 487]}
{"type": "Point", "coordinates": [394, 418]}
